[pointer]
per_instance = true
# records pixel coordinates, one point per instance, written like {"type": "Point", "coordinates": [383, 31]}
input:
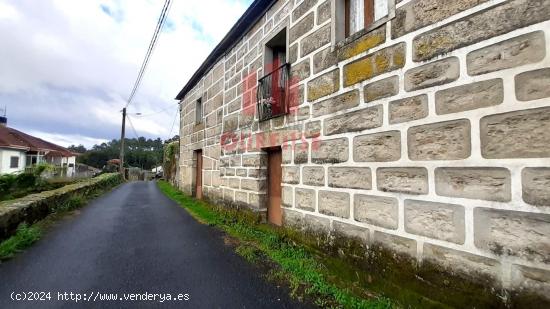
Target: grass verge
{"type": "Point", "coordinates": [23, 238]}
{"type": "Point", "coordinates": [296, 264]}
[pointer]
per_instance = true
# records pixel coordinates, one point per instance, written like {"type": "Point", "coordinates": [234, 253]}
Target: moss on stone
{"type": "Point", "coordinates": [358, 71]}
{"type": "Point", "coordinates": [382, 63]}
{"type": "Point", "coordinates": [427, 48]}
{"type": "Point", "coordinates": [398, 60]}
{"type": "Point", "coordinates": [319, 91]}
{"type": "Point", "coordinates": [361, 45]}
{"type": "Point", "coordinates": [379, 62]}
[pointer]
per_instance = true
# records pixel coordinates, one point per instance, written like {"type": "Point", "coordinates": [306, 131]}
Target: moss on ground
{"type": "Point", "coordinates": [295, 263]}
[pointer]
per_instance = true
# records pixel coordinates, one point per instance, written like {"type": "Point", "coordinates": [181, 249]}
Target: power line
{"type": "Point", "coordinates": [172, 128]}
{"type": "Point", "coordinates": [152, 44]}
{"type": "Point", "coordinates": [137, 140]}
{"type": "Point", "coordinates": [159, 111]}
{"type": "Point", "coordinates": [133, 128]}
{"type": "Point", "coordinates": [160, 24]}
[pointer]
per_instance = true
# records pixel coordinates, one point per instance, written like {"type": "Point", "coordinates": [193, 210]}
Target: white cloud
{"type": "Point", "coordinates": [68, 139]}
{"type": "Point", "coordinates": [68, 66]}
{"type": "Point", "coordinates": [8, 12]}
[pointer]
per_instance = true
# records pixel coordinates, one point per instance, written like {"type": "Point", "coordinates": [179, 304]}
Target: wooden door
{"type": "Point", "coordinates": [198, 176]}
{"type": "Point", "coordinates": [274, 174]}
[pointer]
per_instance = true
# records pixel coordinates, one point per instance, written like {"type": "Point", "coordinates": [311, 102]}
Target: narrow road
{"type": "Point", "coordinates": [136, 240]}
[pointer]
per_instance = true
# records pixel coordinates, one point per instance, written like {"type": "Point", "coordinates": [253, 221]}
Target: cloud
{"type": "Point", "coordinates": [8, 12]}
{"type": "Point", "coordinates": [68, 66]}
{"type": "Point", "coordinates": [67, 140]}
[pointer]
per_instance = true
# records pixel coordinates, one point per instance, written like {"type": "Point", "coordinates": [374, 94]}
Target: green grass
{"type": "Point", "coordinates": [26, 235]}
{"type": "Point", "coordinates": [23, 238]}
{"type": "Point", "coordinates": [297, 265]}
{"type": "Point", "coordinates": [73, 203]}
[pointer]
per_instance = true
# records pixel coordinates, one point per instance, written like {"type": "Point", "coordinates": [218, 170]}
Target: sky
{"type": "Point", "coordinates": [67, 67]}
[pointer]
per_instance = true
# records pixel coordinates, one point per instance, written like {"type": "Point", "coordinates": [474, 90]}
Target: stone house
{"type": "Point", "coordinates": [420, 125]}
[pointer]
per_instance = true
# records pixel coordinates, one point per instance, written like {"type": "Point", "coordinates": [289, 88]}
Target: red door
{"type": "Point", "coordinates": [198, 176]}
{"type": "Point", "coordinates": [274, 174]}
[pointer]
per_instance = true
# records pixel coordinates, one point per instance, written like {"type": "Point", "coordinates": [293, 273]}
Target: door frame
{"type": "Point", "coordinates": [198, 173]}
{"type": "Point", "coordinates": [277, 199]}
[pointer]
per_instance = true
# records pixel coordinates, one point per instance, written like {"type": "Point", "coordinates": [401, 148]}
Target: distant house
{"type": "Point", "coordinates": [19, 151]}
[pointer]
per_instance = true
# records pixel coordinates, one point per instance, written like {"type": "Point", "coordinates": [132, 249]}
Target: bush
{"type": "Point", "coordinates": [6, 183]}
{"type": "Point", "coordinates": [26, 180]}
{"type": "Point", "coordinates": [19, 185]}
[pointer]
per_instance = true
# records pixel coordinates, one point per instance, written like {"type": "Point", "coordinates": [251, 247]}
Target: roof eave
{"type": "Point", "coordinates": [256, 10]}
{"type": "Point", "coordinates": [22, 148]}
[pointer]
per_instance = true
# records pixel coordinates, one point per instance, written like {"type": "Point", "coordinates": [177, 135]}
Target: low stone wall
{"type": "Point", "coordinates": [35, 207]}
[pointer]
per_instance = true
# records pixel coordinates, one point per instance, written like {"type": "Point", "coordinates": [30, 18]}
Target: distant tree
{"type": "Point", "coordinates": [141, 152]}
{"type": "Point", "coordinates": [77, 149]}
{"type": "Point", "coordinates": [176, 138]}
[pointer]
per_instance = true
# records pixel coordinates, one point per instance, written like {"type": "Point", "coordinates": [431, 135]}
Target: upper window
{"type": "Point", "coordinates": [353, 16]}
{"type": "Point", "coordinates": [275, 52]}
{"type": "Point", "coordinates": [198, 111]}
{"type": "Point", "coordinates": [272, 91]}
{"type": "Point", "coordinates": [14, 162]}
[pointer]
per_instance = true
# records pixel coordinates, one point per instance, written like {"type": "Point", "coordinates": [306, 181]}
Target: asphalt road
{"type": "Point", "coordinates": [136, 240]}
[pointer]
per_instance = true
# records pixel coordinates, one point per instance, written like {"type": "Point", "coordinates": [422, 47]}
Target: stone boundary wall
{"type": "Point", "coordinates": [35, 207]}
{"type": "Point", "coordinates": [429, 135]}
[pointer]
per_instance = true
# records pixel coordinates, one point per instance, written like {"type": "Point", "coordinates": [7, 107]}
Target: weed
{"type": "Point", "coordinates": [298, 266]}
{"type": "Point", "coordinates": [250, 253]}
{"type": "Point", "coordinates": [23, 238]}
{"type": "Point", "coordinates": [74, 202]}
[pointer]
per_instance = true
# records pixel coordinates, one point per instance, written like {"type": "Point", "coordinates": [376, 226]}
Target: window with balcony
{"type": "Point", "coordinates": [272, 92]}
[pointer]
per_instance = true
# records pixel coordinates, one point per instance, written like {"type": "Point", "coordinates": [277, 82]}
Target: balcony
{"type": "Point", "coordinates": [272, 94]}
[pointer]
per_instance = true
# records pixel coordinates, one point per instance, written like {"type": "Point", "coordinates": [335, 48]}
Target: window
{"type": "Point", "coordinates": [35, 158]}
{"type": "Point", "coordinates": [198, 111]}
{"type": "Point", "coordinates": [272, 90]}
{"type": "Point", "coordinates": [14, 162]}
{"type": "Point", "coordinates": [354, 16]}
{"type": "Point", "coordinates": [275, 52]}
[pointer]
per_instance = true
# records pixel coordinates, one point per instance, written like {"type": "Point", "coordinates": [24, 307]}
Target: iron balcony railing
{"type": "Point", "coordinates": [272, 93]}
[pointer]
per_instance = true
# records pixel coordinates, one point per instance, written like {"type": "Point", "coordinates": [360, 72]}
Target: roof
{"type": "Point", "coordinates": [254, 12]}
{"type": "Point", "coordinates": [12, 138]}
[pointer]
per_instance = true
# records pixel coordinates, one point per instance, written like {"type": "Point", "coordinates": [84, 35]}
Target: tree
{"type": "Point", "coordinates": [141, 152]}
{"type": "Point", "coordinates": [77, 149]}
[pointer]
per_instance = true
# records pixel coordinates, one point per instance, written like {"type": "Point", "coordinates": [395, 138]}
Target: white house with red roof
{"type": "Point", "coordinates": [19, 150]}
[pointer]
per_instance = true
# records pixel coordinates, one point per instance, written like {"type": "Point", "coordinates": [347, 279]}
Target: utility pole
{"type": "Point", "coordinates": [122, 136]}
